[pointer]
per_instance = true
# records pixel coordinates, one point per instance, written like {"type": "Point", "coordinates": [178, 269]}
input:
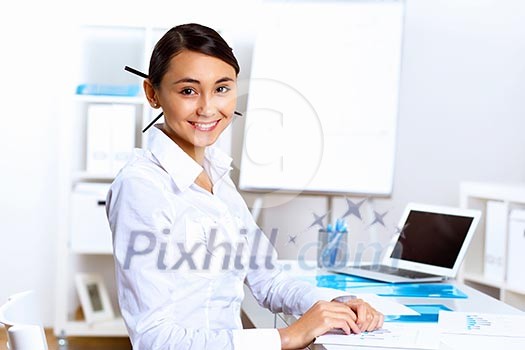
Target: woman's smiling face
{"type": "Point", "coordinates": [198, 97]}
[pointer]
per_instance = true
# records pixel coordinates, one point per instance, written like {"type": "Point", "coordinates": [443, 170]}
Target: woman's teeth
{"type": "Point", "coordinates": [204, 126]}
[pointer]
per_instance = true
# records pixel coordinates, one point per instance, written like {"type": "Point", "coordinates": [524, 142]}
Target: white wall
{"type": "Point", "coordinates": [33, 72]}
{"type": "Point", "coordinates": [462, 114]}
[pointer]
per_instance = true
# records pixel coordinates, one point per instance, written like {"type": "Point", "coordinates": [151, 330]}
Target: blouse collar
{"type": "Point", "coordinates": [180, 166]}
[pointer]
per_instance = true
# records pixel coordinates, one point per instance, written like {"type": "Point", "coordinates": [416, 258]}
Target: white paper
{"type": "Point", "coordinates": [386, 306]}
{"type": "Point", "coordinates": [473, 323]}
{"type": "Point", "coordinates": [480, 342]}
{"type": "Point", "coordinates": [392, 335]}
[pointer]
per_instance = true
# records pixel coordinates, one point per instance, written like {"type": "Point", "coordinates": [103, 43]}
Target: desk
{"type": "Point", "coordinates": [476, 302]}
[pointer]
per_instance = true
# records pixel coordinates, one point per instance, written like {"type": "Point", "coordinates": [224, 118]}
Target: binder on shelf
{"type": "Point", "coordinates": [122, 135]}
{"type": "Point", "coordinates": [516, 256]}
{"type": "Point", "coordinates": [495, 241]}
{"type": "Point", "coordinates": [98, 154]}
{"type": "Point", "coordinates": [110, 137]}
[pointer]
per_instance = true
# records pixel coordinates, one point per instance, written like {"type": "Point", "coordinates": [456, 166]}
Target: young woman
{"type": "Point", "coordinates": [184, 240]}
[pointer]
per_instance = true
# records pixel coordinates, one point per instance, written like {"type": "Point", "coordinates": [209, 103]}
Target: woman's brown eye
{"type": "Point", "coordinates": [187, 91]}
{"type": "Point", "coordinates": [223, 89]}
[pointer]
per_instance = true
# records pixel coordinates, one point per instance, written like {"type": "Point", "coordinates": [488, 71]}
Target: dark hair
{"type": "Point", "coordinates": [193, 37]}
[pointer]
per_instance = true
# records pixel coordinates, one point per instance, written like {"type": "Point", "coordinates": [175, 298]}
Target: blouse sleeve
{"type": "Point", "coordinates": [270, 284]}
{"type": "Point", "coordinates": [275, 289]}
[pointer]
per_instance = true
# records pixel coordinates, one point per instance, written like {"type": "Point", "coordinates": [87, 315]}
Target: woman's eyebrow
{"type": "Point", "coordinates": [195, 81]}
{"type": "Point", "coordinates": [187, 80]}
{"type": "Point", "coordinates": [223, 80]}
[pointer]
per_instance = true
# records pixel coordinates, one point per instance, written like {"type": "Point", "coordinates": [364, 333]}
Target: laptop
{"type": "Point", "coordinates": [429, 246]}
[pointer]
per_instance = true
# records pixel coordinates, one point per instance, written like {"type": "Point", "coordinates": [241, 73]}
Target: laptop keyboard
{"type": "Point", "coordinates": [396, 271]}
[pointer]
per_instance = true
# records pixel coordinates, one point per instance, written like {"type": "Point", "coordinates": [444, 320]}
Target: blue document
{"type": "Point", "coordinates": [341, 282]}
{"type": "Point", "coordinates": [428, 313]}
{"type": "Point", "coordinates": [362, 285]}
{"type": "Point", "coordinates": [415, 290]}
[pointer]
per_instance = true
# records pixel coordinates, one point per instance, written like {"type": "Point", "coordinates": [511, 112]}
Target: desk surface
{"type": "Point", "coordinates": [476, 302]}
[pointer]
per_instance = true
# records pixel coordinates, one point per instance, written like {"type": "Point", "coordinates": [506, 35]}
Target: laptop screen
{"type": "Point", "coordinates": [432, 238]}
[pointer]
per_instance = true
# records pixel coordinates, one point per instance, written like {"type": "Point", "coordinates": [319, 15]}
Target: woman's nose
{"type": "Point", "coordinates": [206, 107]}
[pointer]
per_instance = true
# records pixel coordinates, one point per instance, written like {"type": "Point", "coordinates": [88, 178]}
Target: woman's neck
{"type": "Point", "coordinates": [196, 153]}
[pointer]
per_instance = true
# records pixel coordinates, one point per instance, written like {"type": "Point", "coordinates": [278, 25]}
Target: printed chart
{"type": "Point", "coordinates": [482, 324]}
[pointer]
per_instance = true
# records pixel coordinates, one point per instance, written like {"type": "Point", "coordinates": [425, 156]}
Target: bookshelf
{"type": "Point", "coordinates": [102, 52]}
{"type": "Point", "coordinates": [476, 195]}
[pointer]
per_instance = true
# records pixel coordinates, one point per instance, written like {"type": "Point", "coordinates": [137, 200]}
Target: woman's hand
{"type": "Point", "coordinates": [368, 318]}
{"type": "Point", "coordinates": [353, 316]}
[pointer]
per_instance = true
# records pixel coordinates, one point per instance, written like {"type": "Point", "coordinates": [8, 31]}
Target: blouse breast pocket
{"type": "Point", "coordinates": [186, 249]}
{"type": "Point", "coordinates": [209, 246]}
{"type": "Point", "coordinates": [196, 240]}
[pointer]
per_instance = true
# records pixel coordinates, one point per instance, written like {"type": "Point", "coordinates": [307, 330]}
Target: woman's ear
{"type": "Point", "coordinates": [151, 95]}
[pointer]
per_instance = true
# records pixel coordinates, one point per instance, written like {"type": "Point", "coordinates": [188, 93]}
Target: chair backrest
{"type": "Point", "coordinates": [21, 317]}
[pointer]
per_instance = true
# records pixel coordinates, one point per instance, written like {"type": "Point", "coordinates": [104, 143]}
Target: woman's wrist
{"type": "Point", "coordinates": [285, 335]}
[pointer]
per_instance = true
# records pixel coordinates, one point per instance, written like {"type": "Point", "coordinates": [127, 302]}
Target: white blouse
{"type": "Point", "coordinates": [182, 255]}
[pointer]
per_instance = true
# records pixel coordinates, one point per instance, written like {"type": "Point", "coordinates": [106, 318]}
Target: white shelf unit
{"type": "Point", "coordinates": [476, 195]}
{"type": "Point", "coordinates": [102, 53]}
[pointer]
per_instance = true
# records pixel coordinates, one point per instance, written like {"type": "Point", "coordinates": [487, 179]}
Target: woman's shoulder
{"type": "Point", "coordinates": [143, 169]}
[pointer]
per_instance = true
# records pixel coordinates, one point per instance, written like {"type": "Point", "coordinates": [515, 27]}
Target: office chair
{"type": "Point", "coordinates": [20, 315]}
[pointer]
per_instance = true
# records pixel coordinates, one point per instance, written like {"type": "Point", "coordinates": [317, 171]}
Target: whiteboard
{"type": "Point", "coordinates": [323, 98]}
